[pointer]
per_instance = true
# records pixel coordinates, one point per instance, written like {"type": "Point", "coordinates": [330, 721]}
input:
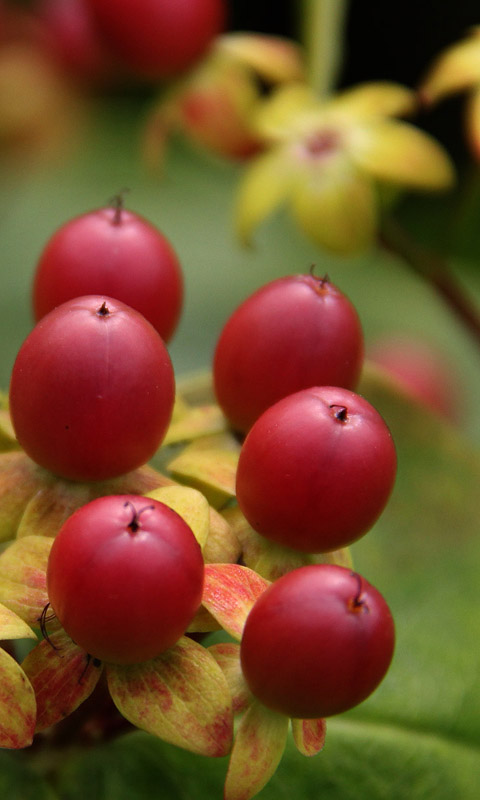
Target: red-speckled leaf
{"type": "Point", "coordinates": [17, 704]}
{"type": "Point", "coordinates": [62, 675]}
{"type": "Point", "coordinates": [23, 583]}
{"type": "Point", "coordinates": [20, 478]}
{"type": "Point", "coordinates": [182, 697]}
{"type": "Point", "coordinates": [260, 740]}
{"type": "Point", "coordinates": [309, 735]}
{"type": "Point", "coordinates": [229, 592]}
{"type": "Point", "coordinates": [227, 656]}
{"type": "Point", "coordinates": [12, 627]}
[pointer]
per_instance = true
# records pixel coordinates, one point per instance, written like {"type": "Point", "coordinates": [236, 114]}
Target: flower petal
{"type": "Point", "coordinates": [264, 186]}
{"type": "Point", "coordinates": [398, 152]}
{"type": "Point", "coordinates": [379, 98]}
{"type": "Point", "coordinates": [336, 210]}
{"type": "Point", "coordinates": [456, 69]}
{"type": "Point", "coordinates": [281, 110]}
{"type": "Point", "coordinates": [274, 58]}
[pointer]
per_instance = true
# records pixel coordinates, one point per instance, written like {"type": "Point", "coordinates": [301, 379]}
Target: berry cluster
{"type": "Point", "coordinates": [91, 398]}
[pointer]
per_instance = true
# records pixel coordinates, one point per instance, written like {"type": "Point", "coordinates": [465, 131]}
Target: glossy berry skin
{"type": "Point", "coordinates": [125, 578]}
{"type": "Point", "coordinates": [316, 470]}
{"type": "Point", "coordinates": [159, 38]}
{"type": "Point", "coordinates": [92, 390]}
{"type": "Point", "coordinates": [292, 333]}
{"type": "Point", "coordinates": [317, 642]}
{"type": "Point", "coordinates": [115, 252]}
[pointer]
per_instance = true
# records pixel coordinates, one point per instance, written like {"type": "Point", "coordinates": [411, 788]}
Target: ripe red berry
{"type": "Point", "coordinates": [92, 390]}
{"type": "Point", "coordinates": [125, 578]}
{"type": "Point", "coordinates": [159, 38]}
{"type": "Point", "coordinates": [115, 252]}
{"type": "Point", "coordinates": [316, 469]}
{"type": "Point", "coordinates": [71, 36]}
{"type": "Point", "coordinates": [422, 370]}
{"type": "Point", "coordinates": [293, 333]}
{"type": "Point", "coordinates": [317, 642]}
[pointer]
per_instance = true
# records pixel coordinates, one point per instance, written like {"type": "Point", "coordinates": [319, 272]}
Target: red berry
{"type": "Point", "coordinates": [317, 642]}
{"type": "Point", "coordinates": [125, 578]}
{"type": "Point", "coordinates": [92, 390]}
{"type": "Point", "coordinates": [316, 469]}
{"type": "Point", "coordinates": [73, 39]}
{"type": "Point", "coordinates": [293, 333]}
{"type": "Point", "coordinates": [422, 370]}
{"type": "Point", "coordinates": [115, 252]}
{"type": "Point", "coordinates": [159, 38]}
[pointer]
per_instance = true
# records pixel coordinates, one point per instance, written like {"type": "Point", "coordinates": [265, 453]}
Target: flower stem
{"type": "Point", "coordinates": [321, 33]}
{"type": "Point", "coordinates": [432, 268]}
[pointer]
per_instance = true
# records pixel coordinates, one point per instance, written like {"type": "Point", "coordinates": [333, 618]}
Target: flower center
{"type": "Point", "coordinates": [322, 143]}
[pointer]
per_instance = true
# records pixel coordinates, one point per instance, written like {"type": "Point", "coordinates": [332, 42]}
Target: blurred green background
{"type": "Point", "coordinates": [419, 735]}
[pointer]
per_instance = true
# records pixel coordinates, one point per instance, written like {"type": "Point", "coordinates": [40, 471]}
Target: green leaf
{"type": "Point", "coordinates": [181, 696]}
{"type": "Point", "coordinates": [19, 782]}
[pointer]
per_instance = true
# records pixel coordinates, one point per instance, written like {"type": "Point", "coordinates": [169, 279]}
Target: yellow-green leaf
{"type": "Point", "coordinates": [227, 656]}
{"type": "Point", "coordinates": [17, 704]}
{"type": "Point", "coordinates": [182, 697]}
{"type": "Point", "coordinates": [12, 626]}
{"type": "Point", "coordinates": [309, 735]}
{"type": "Point", "coordinates": [190, 504]}
{"type": "Point", "coordinates": [23, 580]}
{"type": "Point", "coordinates": [260, 740]}
{"type": "Point", "coordinates": [229, 592]}
{"type": "Point", "coordinates": [211, 469]}
{"type": "Point", "coordinates": [62, 676]}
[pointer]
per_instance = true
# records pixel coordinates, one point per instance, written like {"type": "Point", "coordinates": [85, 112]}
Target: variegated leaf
{"type": "Point", "coordinates": [229, 592]}
{"type": "Point", "coordinates": [23, 581]}
{"type": "Point", "coordinates": [259, 744]}
{"type": "Point", "coordinates": [17, 704]}
{"type": "Point", "coordinates": [182, 697]}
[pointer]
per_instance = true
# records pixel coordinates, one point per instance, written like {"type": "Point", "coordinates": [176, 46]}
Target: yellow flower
{"type": "Point", "coordinates": [214, 104]}
{"type": "Point", "coordinates": [457, 69]}
{"type": "Point", "coordinates": [326, 160]}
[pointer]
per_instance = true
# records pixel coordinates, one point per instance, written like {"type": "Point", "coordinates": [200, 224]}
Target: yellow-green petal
{"type": "Point", "coordinates": [265, 186]}
{"type": "Point", "coordinates": [337, 212]}
{"type": "Point", "coordinates": [456, 69]}
{"type": "Point", "coordinates": [274, 58]}
{"type": "Point", "coordinates": [281, 110]}
{"type": "Point", "coordinates": [399, 153]}
{"type": "Point", "coordinates": [379, 98]}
